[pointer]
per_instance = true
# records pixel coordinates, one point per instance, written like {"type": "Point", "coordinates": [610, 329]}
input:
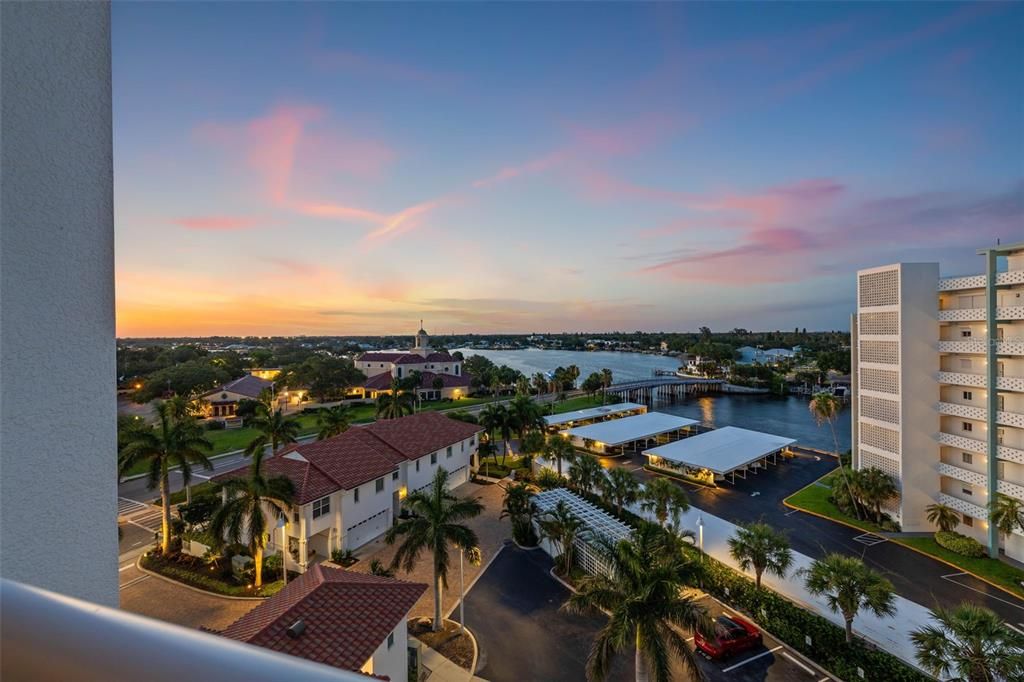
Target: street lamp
{"type": "Point", "coordinates": [282, 523]}
{"type": "Point", "coordinates": [700, 532]}
{"type": "Point", "coordinates": [474, 558]}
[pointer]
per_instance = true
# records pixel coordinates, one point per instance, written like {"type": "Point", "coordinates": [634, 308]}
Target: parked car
{"type": "Point", "coordinates": [732, 636]}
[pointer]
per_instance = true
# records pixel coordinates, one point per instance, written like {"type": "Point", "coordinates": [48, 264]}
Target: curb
{"type": "Point", "coordinates": [999, 587]}
{"type": "Point", "coordinates": [138, 565]}
{"type": "Point", "coordinates": [476, 651]}
{"type": "Point", "coordinates": [472, 582]}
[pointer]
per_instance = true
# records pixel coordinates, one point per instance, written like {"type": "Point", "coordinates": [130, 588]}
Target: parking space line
{"type": "Point", "coordinates": [752, 658]}
{"type": "Point", "coordinates": [791, 512]}
{"type": "Point", "coordinates": [125, 567]}
{"type": "Point", "coordinates": [133, 581]}
{"type": "Point", "coordinates": [792, 658]}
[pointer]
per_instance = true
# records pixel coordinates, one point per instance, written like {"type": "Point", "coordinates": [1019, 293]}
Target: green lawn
{"type": "Point", "coordinates": [995, 570]}
{"type": "Point", "coordinates": [814, 498]}
{"type": "Point", "coordinates": [579, 403]}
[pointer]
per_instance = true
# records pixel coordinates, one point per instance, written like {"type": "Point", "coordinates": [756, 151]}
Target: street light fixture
{"type": "Point", "coordinates": [282, 523]}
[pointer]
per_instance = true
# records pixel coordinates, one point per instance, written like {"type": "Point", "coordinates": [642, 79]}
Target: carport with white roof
{"type": "Point", "coordinates": [593, 414]}
{"type": "Point", "coordinates": [614, 436]}
{"type": "Point", "coordinates": [723, 452]}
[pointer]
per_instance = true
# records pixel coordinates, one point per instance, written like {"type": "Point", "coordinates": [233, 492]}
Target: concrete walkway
{"type": "Point", "coordinates": [440, 669]}
{"type": "Point", "coordinates": [890, 634]}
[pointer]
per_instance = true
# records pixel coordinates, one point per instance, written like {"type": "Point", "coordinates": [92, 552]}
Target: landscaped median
{"type": "Point", "coordinates": [816, 499]}
{"type": "Point", "coordinates": [203, 576]}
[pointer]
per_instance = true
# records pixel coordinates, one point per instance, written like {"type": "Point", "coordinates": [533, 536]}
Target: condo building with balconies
{"type": "Point", "coordinates": [938, 394]}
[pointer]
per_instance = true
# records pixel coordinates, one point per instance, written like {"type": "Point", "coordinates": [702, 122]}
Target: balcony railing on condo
{"type": "Point", "coordinates": [978, 314]}
{"type": "Point", "coordinates": [1015, 384]}
{"type": "Point", "coordinates": [979, 347]}
{"type": "Point", "coordinates": [979, 281]}
{"type": "Point", "coordinates": [48, 636]}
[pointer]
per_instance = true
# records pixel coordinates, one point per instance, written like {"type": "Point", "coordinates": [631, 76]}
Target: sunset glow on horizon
{"type": "Point", "coordinates": [350, 169]}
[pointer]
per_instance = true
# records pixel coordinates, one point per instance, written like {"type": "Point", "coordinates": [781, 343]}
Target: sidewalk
{"type": "Point", "coordinates": [890, 634]}
{"type": "Point", "coordinates": [440, 669]}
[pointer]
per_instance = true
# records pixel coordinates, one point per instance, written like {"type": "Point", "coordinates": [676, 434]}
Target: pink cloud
{"type": "Point", "coordinates": [538, 165]}
{"type": "Point", "coordinates": [216, 223]}
{"type": "Point", "coordinates": [630, 137]}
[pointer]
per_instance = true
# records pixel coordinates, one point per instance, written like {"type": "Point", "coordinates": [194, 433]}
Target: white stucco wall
{"type": "Point", "coordinates": [371, 503]}
{"type": "Point", "coordinates": [57, 448]}
{"type": "Point", "coordinates": [392, 662]}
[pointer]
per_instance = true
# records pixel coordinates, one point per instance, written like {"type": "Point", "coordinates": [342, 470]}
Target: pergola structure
{"type": "Point", "coordinates": [615, 436]}
{"type": "Point", "coordinates": [592, 415]}
{"type": "Point", "coordinates": [596, 521]}
{"type": "Point", "coordinates": [723, 452]}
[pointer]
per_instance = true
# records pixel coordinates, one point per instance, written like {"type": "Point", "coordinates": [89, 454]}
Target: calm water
{"type": "Point", "coordinates": [786, 416]}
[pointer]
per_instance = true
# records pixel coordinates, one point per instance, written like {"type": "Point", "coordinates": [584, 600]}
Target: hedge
{"type": "Point", "coordinates": [959, 543]}
{"type": "Point", "coordinates": [791, 623]}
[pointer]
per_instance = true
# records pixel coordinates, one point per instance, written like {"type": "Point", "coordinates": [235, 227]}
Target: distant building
{"type": "Point", "coordinates": [760, 356]}
{"type": "Point", "coordinates": [353, 621]}
{"type": "Point", "coordinates": [381, 367]}
{"type": "Point", "coordinates": [223, 401]}
{"type": "Point", "coordinates": [938, 389]}
{"type": "Point", "coordinates": [268, 373]}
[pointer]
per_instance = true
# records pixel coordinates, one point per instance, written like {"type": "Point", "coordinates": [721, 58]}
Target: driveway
{"type": "Point", "coordinates": [915, 576]}
{"type": "Point", "coordinates": [150, 596]}
{"type": "Point", "coordinates": [514, 611]}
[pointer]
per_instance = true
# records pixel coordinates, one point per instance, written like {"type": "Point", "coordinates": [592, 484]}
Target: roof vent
{"type": "Point", "coordinates": [296, 629]}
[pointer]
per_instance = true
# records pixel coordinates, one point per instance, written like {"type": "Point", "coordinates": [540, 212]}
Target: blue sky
{"type": "Point", "coordinates": [352, 168]}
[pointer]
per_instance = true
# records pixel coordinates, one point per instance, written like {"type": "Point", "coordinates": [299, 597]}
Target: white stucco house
{"type": "Point", "coordinates": [352, 621]}
{"type": "Point", "coordinates": [348, 489]}
{"type": "Point", "coordinates": [441, 375]}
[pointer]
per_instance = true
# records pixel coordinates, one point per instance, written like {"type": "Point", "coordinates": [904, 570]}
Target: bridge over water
{"type": "Point", "coordinates": [664, 386]}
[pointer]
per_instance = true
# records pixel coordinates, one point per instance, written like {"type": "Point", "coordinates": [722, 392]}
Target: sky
{"type": "Point", "coordinates": [351, 169]}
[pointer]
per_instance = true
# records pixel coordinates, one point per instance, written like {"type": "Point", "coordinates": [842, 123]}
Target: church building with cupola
{"type": "Point", "coordinates": [441, 375]}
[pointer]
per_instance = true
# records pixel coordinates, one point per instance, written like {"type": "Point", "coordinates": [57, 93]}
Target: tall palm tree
{"type": "Point", "coordinates": [531, 445]}
{"type": "Point", "coordinates": [606, 381]}
{"type": "Point", "coordinates": [761, 547]}
{"type": "Point", "coordinates": [275, 430]}
{"type": "Point", "coordinates": [572, 373]}
{"type": "Point", "coordinates": [645, 598]}
{"type": "Point", "coordinates": [825, 408]}
{"type": "Point", "coordinates": [665, 500]}
{"type": "Point", "coordinates": [397, 403]}
{"type": "Point", "coordinates": [586, 474]}
{"type": "Point", "coordinates": [436, 521]}
{"type": "Point", "coordinates": [559, 448]}
{"type": "Point", "coordinates": [1006, 513]}
{"type": "Point", "coordinates": [244, 512]}
{"type": "Point", "coordinates": [562, 527]}
{"type": "Point", "coordinates": [527, 415]}
{"type": "Point", "coordinates": [873, 486]}
{"type": "Point", "coordinates": [946, 518]}
{"type": "Point", "coordinates": [540, 382]}
{"type": "Point", "coordinates": [333, 421]}
{"type": "Point", "coordinates": [970, 643]}
{"type": "Point", "coordinates": [518, 506]}
{"type": "Point", "coordinates": [849, 586]}
{"type": "Point", "coordinates": [491, 417]}
{"type": "Point", "coordinates": [173, 442]}
{"type": "Point", "coordinates": [620, 488]}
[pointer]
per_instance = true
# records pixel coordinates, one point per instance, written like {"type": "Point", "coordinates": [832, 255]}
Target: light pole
{"type": "Point", "coordinates": [282, 523]}
{"type": "Point", "coordinates": [462, 595]}
{"type": "Point", "coordinates": [700, 534]}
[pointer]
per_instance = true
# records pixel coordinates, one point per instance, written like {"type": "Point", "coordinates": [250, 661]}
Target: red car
{"type": "Point", "coordinates": [732, 635]}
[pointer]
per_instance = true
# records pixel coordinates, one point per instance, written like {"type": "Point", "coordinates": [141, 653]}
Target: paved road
{"type": "Point", "coordinates": [514, 608]}
{"type": "Point", "coordinates": [915, 576]}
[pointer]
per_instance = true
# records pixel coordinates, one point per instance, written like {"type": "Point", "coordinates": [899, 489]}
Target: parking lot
{"type": "Point", "coordinates": [513, 609]}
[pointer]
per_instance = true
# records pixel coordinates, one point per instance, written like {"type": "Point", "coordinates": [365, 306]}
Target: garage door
{"type": "Point", "coordinates": [458, 477]}
{"type": "Point", "coordinates": [361, 533]}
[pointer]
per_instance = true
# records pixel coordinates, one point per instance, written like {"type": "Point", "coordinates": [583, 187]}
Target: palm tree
{"type": "Point", "coordinates": [849, 586]}
{"type": "Point", "coordinates": [519, 507]}
{"type": "Point", "coordinates": [436, 521]}
{"type": "Point", "coordinates": [491, 417]}
{"type": "Point", "coordinates": [174, 442]}
{"type": "Point", "coordinates": [946, 518]}
{"type": "Point", "coordinates": [333, 421]}
{"type": "Point", "coordinates": [1006, 513]}
{"type": "Point", "coordinates": [244, 511]}
{"type": "Point", "coordinates": [644, 594]}
{"type": "Point", "coordinates": [561, 527]}
{"type": "Point", "coordinates": [378, 568]}
{"type": "Point", "coordinates": [397, 403]}
{"type": "Point", "coordinates": [586, 474]}
{"type": "Point", "coordinates": [826, 407]}
{"type": "Point", "coordinates": [606, 381]}
{"type": "Point", "coordinates": [664, 499]}
{"type": "Point", "coordinates": [970, 644]}
{"type": "Point", "coordinates": [540, 382]}
{"type": "Point", "coordinates": [620, 488]}
{"type": "Point", "coordinates": [559, 448]}
{"type": "Point", "coordinates": [532, 444]}
{"type": "Point", "coordinates": [873, 486]}
{"type": "Point", "coordinates": [275, 430]}
{"type": "Point", "coordinates": [762, 548]}
{"type": "Point", "coordinates": [526, 415]}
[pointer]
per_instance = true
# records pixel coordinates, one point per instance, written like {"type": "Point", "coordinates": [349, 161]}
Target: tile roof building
{"type": "Point", "coordinates": [224, 400]}
{"type": "Point", "coordinates": [348, 488]}
{"type": "Point", "coordinates": [381, 368]}
{"type": "Point", "coordinates": [353, 621]}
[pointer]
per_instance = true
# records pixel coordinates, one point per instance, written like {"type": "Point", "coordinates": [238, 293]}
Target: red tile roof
{"type": "Point", "coordinates": [380, 357]}
{"type": "Point", "coordinates": [347, 616]}
{"type": "Point", "coordinates": [422, 433]}
{"type": "Point", "coordinates": [405, 358]}
{"type": "Point", "coordinates": [382, 381]}
{"type": "Point", "coordinates": [361, 454]}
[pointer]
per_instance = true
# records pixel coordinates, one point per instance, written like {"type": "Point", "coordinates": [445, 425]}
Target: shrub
{"type": "Point", "coordinates": [214, 425]}
{"type": "Point", "coordinates": [200, 511]}
{"type": "Point", "coordinates": [548, 478]}
{"type": "Point", "coordinates": [959, 543]}
{"type": "Point", "coordinates": [343, 557]}
{"type": "Point", "coordinates": [272, 564]}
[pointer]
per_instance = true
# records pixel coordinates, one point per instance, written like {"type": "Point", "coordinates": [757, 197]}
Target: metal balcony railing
{"type": "Point", "coordinates": [48, 636]}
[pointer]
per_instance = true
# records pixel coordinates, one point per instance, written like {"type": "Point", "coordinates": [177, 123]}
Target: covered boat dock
{"type": "Point", "coordinates": [720, 454]}
{"type": "Point", "coordinates": [592, 415]}
{"type": "Point", "coordinates": [616, 436]}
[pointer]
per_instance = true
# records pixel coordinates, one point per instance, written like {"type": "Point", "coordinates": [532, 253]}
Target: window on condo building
{"type": "Point", "coordinates": [965, 363]}
{"type": "Point", "coordinates": [967, 457]}
{"type": "Point", "coordinates": [968, 520]}
{"type": "Point", "coordinates": [391, 639]}
{"type": "Point", "coordinates": [967, 426]}
{"type": "Point", "coordinates": [448, 453]}
{"type": "Point", "coordinates": [1001, 470]}
{"type": "Point", "coordinates": [968, 395]}
{"type": "Point", "coordinates": [417, 465]}
{"type": "Point", "coordinates": [966, 491]}
{"type": "Point", "coordinates": [394, 475]}
{"type": "Point", "coordinates": [1001, 400]}
{"type": "Point", "coordinates": [965, 333]}
{"type": "Point", "coordinates": [355, 494]}
{"type": "Point", "coordinates": [433, 458]}
{"type": "Point", "coordinates": [379, 485]}
{"type": "Point", "coordinates": [999, 435]}
{"type": "Point", "coordinates": [321, 507]}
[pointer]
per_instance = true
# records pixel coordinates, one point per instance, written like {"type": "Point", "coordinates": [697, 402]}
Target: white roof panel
{"type": "Point", "coordinates": [722, 450]}
{"type": "Point", "coordinates": [591, 413]}
{"type": "Point", "coordinates": [629, 429]}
